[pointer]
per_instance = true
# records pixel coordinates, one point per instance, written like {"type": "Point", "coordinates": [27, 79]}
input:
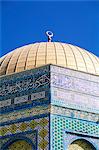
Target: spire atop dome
{"type": "Point", "coordinates": [49, 35]}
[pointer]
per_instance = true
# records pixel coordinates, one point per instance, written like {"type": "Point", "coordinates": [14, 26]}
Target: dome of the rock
{"type": "Point", "coordinates": [39, 54]}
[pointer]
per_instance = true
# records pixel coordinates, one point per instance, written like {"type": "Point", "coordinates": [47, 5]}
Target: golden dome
{"type": "Point", "coordinates": [38, 54]}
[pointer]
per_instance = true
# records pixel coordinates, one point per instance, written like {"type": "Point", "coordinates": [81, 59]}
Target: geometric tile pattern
{"type": "Point", "coordinates": [75, 99]}
{"type": "Point", "coordinates": [23, 91]}
{"type": "Point", "coordinates": [77, 126]}
{"type": "Point", "coordinates": [20, 114]}
{"type": "Point", "coordinates": [40, 124]}
{"type": "Point", "coordinates": [74, 113]}
{"type": "Point", "coordinates": [22, 99]}
{"type": "Point", "coordinates": [29, 103]}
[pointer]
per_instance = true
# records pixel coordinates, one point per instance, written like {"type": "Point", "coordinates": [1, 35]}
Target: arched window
{"type": "Point", "coordinates": [20, 145]}
{"type": "Point", "coordinates": [81, 144]}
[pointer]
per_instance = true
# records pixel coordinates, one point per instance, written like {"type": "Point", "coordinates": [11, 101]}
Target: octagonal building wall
{"type": "Point", "coordinates": [74, 109]}
{"type": "Point", "coordinates": [25, 110]}
{"type": "Point", "coordinates": [49, 107]}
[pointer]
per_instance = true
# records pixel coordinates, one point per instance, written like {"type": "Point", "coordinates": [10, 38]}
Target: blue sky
{"type": "Point", "coordinates": [24, 22]}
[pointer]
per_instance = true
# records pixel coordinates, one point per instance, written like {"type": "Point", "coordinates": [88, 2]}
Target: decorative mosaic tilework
{"type": "Point", "coordinates": [74, 73]}
{"type": "Point", "coordinates": [40, 124]}
{"type": "Point", "coordinates": [72, 91]}
{"type": "Point", "coordinates": [71, 99]}
{"type": "Point", "coordinates": [70, 137]}
{"type": "Point", "coordinates": [40, 98]}
{"type": "Point", "coordinates": [6, 142]}
{"type": "Point", "coordinates": [39, 95]}
{"type": "Point", "coordinates": [59, 124]}
{"type": "Point", "coordinates": [36, 81]}
{"type": "Point", "coordinates": [74, 113]}
{"type": "Point", "coordinates": [22, 99]}
{"type": "Point", "coordinates": [3, 141]}
{"type": "Point", "coordinates": [75, 84]}
{"type": "Point", "coordinates": [11, 85]}
{"type": "Point", "coordinates": [24, 85]}
{"type": "Point", "coordinates": [5, 103]}
{"type": "Point", "coordinates": [21, 114]}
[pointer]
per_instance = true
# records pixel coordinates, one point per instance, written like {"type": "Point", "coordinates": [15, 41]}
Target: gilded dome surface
{"type": "Point", "coordinates": [38, 54]}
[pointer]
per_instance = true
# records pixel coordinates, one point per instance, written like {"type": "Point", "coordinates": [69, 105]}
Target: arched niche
{"type": "Point", "coordinates": [81, 144]}
{"type": "Point", "coordinates": [19, 143]}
